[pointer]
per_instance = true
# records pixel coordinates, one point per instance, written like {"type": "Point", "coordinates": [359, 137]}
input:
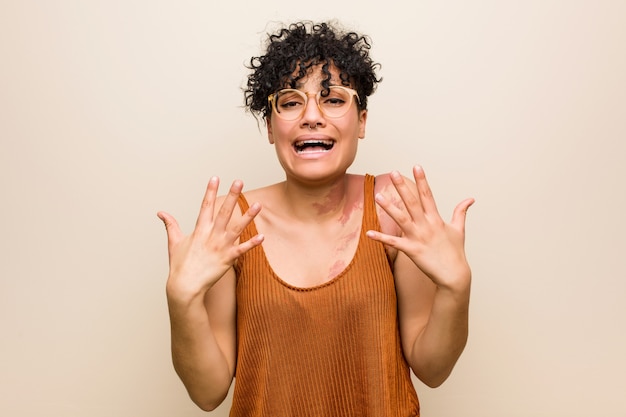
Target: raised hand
{"type": "Point", "coordinates": [436, 247]}
{"type": "Point", "coordinates": [199, 260]}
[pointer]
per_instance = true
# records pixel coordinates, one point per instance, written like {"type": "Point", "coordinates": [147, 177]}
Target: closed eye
{"type": "Point", "coordinates": [290, 104]}
{"type": "Point", "coordinates": [333, 101]}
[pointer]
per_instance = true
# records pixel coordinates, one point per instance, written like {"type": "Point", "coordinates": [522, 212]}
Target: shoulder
{"type": "Point", "coordinates": [266, 196]}
{"type": "Point", "coordinates": [384, 186]}
{"type": "Point", "coordinates": [263, 195]}
{"type": "Point", "coordinates": [235, 203]}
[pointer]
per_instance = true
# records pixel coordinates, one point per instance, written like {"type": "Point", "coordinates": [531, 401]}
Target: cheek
{"type": "Point", "coordinates": [357, 129]}
{"type": "Point", "coordinates": [278, 129]}
{"type": "Point", "coordinates": [280, 132]}
{"type": "Point", "coordinates": [282, 129]}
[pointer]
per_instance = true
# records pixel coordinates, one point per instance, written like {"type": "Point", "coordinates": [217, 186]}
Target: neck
{"type": "Point", "coordinates": [321, 201]}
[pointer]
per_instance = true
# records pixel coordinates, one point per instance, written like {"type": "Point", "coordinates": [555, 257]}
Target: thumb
{"type": "Point", "coordinates": [171, 227]}
{"type": "Point", "coordinates": [460, 213]}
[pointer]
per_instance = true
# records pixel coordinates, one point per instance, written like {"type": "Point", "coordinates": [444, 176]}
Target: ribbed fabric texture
{"type": "Point", "coordinates": [331, 350]}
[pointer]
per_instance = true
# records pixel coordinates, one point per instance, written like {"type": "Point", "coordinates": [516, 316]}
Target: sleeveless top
{"type": "Point", "coordinates": [331, 350]}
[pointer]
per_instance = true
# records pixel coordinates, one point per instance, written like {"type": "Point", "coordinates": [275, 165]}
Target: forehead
{"type": "Point", "coordinates": [315, 77]}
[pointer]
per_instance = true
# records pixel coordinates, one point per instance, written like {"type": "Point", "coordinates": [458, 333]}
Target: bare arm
{"type": "Point", "coordinates": [433, 322]}
{"type": "Point", "coordinates": [203, 342]}
{"type": "Point", "coordinates": [432, 277]}
{"type": "Point", "coordinates": [201, 294]}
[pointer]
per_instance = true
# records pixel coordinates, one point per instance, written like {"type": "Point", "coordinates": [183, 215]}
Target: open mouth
{"type": "Point", "coordinates": [316, 145]}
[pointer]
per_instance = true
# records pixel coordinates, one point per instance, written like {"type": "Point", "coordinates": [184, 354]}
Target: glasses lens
{"type": "Point", "coordinates": [290, 104]}
{"type": "Point", "coordinates": [337, 102]}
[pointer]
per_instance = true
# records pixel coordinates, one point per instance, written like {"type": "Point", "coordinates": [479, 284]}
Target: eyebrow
{"type": "Point", "coordinates": [300, 84]}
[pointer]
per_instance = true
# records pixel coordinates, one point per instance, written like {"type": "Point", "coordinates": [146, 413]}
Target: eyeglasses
{"type": "Point", "coordinates": [289, 104]}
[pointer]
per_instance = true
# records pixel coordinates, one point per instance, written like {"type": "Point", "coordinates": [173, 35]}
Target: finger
{"type": "Point", "coordinates": [171, 227]}
{"type": "Point", "coordinates": [228, 205]}
{"type": "Point", "coordinates": [411, 201]}
{"type": "Point", "coordinates": [460, 213]}
{"type": "Point", "coordinates": [245, 220]}
{"type": "Point", "coordinates": [256, 240]}
{"type": "Point", "coordinates": [398, 214]}
{"type": "Point", "coordinates": [205, 217]}
{"type": "Point", "coordinates": [388, 240]}
{"type": "Point", "coordinates": [423, 189]}
{"type": "Point", "coordinates": [249, 244]}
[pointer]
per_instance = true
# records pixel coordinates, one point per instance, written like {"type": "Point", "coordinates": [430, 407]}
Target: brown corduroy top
{"type": "Point", "coordinates": [332, 350]}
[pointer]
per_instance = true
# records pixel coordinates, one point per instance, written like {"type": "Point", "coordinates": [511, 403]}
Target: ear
{"type": "Point", "coordinates": [362, 123]}
{"type": "Point", "coordinates": [270, 135]}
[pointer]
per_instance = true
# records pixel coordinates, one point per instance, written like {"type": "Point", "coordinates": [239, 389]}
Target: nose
{"type": "Point", "coordinates": [312, 116]}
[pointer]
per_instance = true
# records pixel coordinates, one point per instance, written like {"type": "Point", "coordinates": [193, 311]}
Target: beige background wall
{"type": "Point", "coordinates": [112, 110]}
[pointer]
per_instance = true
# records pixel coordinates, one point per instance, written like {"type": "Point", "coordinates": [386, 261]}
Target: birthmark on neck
{"type": "Point", "coordinates": [331, 201]}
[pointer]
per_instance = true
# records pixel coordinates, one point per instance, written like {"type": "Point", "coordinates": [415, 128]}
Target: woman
{"type": "Point", "coordinates": [323, 293]}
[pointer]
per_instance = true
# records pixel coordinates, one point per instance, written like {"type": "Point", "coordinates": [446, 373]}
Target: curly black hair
{"type": "Point", "coordinates": [294, 49]}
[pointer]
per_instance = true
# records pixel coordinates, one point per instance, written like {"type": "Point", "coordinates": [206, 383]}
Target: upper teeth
{"type": "Point", "coordinates": [314, 143]}
{"type": "Point", "coordinates": [304, 145]}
